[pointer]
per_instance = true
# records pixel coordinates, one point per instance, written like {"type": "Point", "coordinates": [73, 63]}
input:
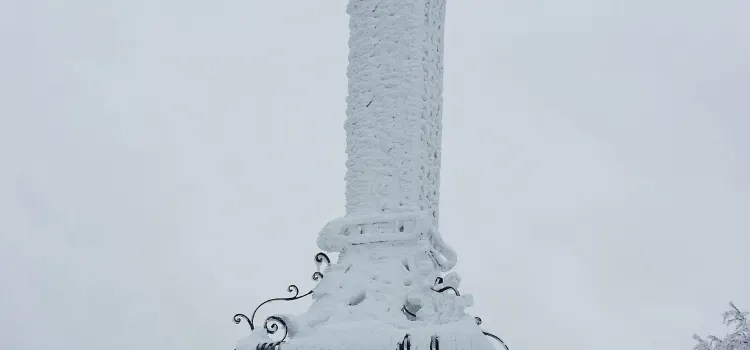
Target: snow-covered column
{"type": "Point", "coordinates": [394, 106]}
{"type": "Point", "coordinates": [387, 289]}
{"type": "Point", "coordinates": [393, 126]}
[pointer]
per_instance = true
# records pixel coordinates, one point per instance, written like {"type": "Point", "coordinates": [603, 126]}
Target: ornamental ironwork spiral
{"type": "Point", "coordinates": [317, 275]}
{"type": "Point", "coordinates": [496, 338]}
{"type": "Point", "coordinates": [479, 323]}
{"type": "Point", "coordinates": [322, 257]}
{"type": "Point", "coordinates": [441, 290]}
{"type": "Point", "coordinates": [251, 320]}
{"type": "Point", "coordinates": [271, 325]}
{"type": "Point", "coordinates": [439, 281]}
{"type": "Point", "coordinates": [404, 344]}
{"type": "Point", "coordinates": [434, 343]}
{"type": "Point", "coordinates": [269, 346]}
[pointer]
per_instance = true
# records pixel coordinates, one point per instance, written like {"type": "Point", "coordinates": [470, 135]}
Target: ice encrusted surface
{"type": "Point", "coordinates": [359, 304]}
{"type": "Point", "coordinates": [393, 126]}
{"type": "Point", "coordinates": [391, 251]}
{"type": "Point", "coordinates": [394, 106]}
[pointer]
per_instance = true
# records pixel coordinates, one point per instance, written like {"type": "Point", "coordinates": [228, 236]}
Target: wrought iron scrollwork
{"type": "Point", "coordinates": [320, 259]}
{"type": "Point", "coordinates": [479, 323]}
{"type": "Point", "coordinates": [446, 289]}
{"type": "Point", "coordinates": [434, 343]}
{"type": "Point", "coordinates": [407, 312]}
{"type": "Point", "coordinates": [439, 281]}
{"type": "Point", "coordinates": [251, 320]}
{"type": "Point", "coordinates": [496, 338]}
{"type": "Point", "coordinates": [271, 325]}
{"type": "Point", "coordinates": [404, 344]}
{"type": "Point", "coordinates": [269, 346]}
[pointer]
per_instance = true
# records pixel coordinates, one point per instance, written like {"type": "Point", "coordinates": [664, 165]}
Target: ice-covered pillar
{"type": "Point", "coordinates": [393, 126]}
{"type": "Point", "coordinates": [388, 289]}
{"type": "Point", "coordinates": [394, 106]}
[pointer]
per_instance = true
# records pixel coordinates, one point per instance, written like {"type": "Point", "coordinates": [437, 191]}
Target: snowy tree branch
{"type": "Point", "coordinates": [737, 340]}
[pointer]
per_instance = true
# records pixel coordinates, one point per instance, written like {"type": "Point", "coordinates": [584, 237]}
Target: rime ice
{"type": "Point", "coordinates": [391, 252]}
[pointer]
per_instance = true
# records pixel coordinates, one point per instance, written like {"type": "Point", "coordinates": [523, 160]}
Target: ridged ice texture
{"type": "Point", "coordinates": [393, 126]}
{"type": "Point", "coordinates": [391, 252]}
{"type": "Point", "coordinates": [394, 107]}
{"type": "Point", "coordinates": [358, 305]}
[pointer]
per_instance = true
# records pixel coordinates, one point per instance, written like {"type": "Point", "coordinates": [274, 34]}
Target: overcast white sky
{"type": "Point", "coordinates": [166, 164]}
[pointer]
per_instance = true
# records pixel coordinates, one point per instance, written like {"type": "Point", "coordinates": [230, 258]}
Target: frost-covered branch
{"type": "Point", "coordinates": [737, 340]}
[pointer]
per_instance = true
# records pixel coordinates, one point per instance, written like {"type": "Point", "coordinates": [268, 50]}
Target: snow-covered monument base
{"type": "Point", "coordinates": [391, 287]}
{"type": "Point", "coordinates": [380, 298]}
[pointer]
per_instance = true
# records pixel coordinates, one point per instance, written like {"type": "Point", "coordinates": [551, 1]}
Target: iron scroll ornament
{"type": "Point", "coordinates": [404, 344]}
{"type": "Point", "coordinates": [434, 343]}
{"type": "Point", "coordinates": [272, 323]}
{"type": "Point", "coordinates": [479, 322]}
{"type": "Point", "coordinates": [439, 281]}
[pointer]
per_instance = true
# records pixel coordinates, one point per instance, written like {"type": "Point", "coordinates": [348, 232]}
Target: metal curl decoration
{"type": "Point", "coordinates": [478, 321]}
{"type": "Point", "coordinates": [321, 257]}
{"type": "Point", "coordinates": [405, 344]}
{"type": "Point", "coordinates": [317, 275]}
{"type": "Point", "coordinates": [439, 281]}
{"type": "Point", "coordinates": [239, 317]}
{"type": "Point", "coordinates": [272, 323]}
{"type": "Point", "coordinates": [268, 346]}
{"type": "Point", "coordinates": [496, 338]}
{"type": "Point", "coordinates": [434, 343]}
{"type": "Point", "coordinates": [441, 290]}
{"type": "Point", "coordinates": [251, 320]}
{"type": "Point", "coordinates": [407, 312]}
{"type": "Point", "coordinates": [272, 326]}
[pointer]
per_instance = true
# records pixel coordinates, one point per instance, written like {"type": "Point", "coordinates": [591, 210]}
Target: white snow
{"type": "Point", "coordinates": [737, 340]}
{"type": "Point", "coordinates": [394, 106]}
{"type": "Point", "coordinates": [391, 251]}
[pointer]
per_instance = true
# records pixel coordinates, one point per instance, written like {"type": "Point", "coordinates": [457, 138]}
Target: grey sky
{"type": "Point", "coordinates": [166, 164]}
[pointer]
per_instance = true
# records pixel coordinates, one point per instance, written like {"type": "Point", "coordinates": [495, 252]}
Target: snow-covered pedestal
{"type": "Point", "coordinates": [391, 287]}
